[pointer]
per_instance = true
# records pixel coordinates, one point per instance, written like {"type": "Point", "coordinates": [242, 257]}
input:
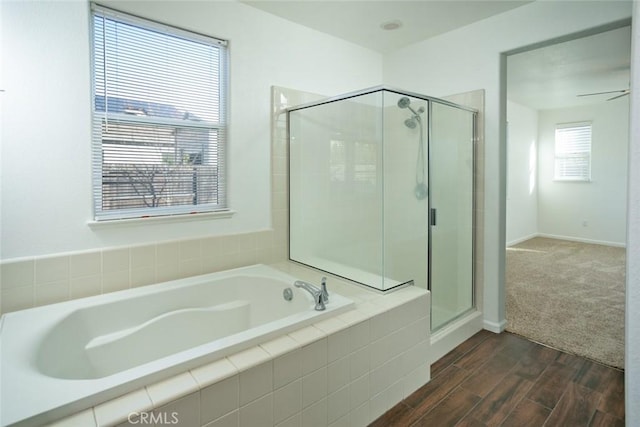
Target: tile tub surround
{"type": "Point", "coordinates": [32, 282]}
{"type": "Point", "coordinates": [343, 371]}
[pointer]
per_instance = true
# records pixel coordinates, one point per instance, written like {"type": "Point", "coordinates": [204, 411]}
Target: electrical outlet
{"type": "Point", "coordinates": [585, 223]}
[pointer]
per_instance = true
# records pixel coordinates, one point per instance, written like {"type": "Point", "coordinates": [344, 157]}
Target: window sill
{"type": "Point", "coordinates": [166, 219]}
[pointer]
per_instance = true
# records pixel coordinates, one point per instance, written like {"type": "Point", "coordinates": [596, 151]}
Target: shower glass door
{"type": "Point", "coordinates": [451, 213]}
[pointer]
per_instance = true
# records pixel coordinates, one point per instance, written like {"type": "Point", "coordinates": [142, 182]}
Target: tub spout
{"type": "Point", "coordinates": [314, 291]}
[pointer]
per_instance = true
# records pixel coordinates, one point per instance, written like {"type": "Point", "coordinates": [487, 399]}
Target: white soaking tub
{"type": "Point", "coordinates": [61, 358]}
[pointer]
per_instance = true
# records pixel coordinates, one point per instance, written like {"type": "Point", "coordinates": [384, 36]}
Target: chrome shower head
{"type": "Point", "coordinates": [411, 123]}
{"type": "Point", "coordinates": [404, 102]}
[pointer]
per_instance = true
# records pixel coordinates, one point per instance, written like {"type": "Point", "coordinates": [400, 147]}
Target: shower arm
{"type": "Point", "coordinates": [415, 113]}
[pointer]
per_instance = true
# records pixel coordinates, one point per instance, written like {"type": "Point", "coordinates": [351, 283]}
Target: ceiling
{"type": "Point", "coordinates": [552, 76]}
{"type": "Point", "coordinates": [545, 78]}
{"type": "Point", "coordinates": [360, 21]}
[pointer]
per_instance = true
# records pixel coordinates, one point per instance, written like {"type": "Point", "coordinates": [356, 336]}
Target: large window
{"type": "Point", "coordinates": [159, 115]}
{"type": "Point", "coordinates": [573, 152]}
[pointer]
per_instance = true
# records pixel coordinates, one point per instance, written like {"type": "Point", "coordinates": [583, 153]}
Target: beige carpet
{"type": "Point", "coordinates": [568, 295]}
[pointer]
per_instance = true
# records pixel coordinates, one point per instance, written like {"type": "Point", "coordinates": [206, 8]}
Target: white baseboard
{"type": "Point", "coordinates": [495, 327]}
{"type": "Point", "coordinates": [522, 239]}
{"type": "Point", "coordinates": [569, 238]}
{"type": "Point", "coordinates": [579, 239]}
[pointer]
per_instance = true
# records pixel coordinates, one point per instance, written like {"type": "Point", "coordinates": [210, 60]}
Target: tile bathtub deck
{"type": "Point", "coordinates": [506, 380]}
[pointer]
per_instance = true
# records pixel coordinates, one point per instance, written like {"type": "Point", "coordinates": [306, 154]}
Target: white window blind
{"type": "Point", "coordinates": [159, 119]}
{"type": "Point", "coordinates": [573, 152]}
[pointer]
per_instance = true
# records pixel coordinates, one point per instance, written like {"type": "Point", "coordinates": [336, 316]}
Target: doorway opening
{"type": "Point", "coordinates": [567, 146]}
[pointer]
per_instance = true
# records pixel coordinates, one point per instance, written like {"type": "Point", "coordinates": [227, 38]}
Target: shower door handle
{"type": "Point", "coordinates": [432, 217]}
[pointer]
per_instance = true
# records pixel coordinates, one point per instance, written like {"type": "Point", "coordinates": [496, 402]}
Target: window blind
{"type": "Point", "coordinates": [573, 152]}
{"type": "Point", "coordinates": [159, 118]}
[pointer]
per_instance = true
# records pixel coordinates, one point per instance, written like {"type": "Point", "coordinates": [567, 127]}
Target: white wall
{"type": "Point", "coordinates": [522, 185]}
{"type": "Point", "coordinates": [45, 172]}
{"type": "Point", "coordinates": [468, 59]}
{"type": "Point", "coordinates": [632, 325]}
{"type": "Point", "coordinates": [564, 206]}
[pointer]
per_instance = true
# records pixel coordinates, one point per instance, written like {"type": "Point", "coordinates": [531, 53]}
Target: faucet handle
{"type": "Point", "coordinates": [323, 290]}
{"type": "Point", "coordinates": [319, 300]}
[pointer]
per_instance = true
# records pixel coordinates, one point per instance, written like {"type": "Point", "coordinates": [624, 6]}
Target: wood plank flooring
{"type": "Point", "coordinates": [506, 380]}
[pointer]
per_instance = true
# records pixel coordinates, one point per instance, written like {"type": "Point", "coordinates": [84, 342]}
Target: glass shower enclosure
{"type": "Point", "coordinates": [381, 193]}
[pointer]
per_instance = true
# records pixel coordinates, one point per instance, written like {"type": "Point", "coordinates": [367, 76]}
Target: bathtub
{"type": "Point", "coordinates": [61, 358]}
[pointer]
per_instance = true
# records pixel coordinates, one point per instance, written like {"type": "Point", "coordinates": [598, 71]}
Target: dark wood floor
{"type": "Point", "coordinates": [506, 380]}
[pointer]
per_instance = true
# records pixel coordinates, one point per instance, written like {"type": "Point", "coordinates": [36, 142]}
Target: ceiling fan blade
{"type": "Point", "coordinates": [623, 91]}
{"type": "Point", "coordinates": [618, 96]}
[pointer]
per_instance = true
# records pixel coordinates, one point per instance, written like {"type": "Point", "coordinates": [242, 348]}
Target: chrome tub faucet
{"type": "Point", "coordinates": [320, 295]}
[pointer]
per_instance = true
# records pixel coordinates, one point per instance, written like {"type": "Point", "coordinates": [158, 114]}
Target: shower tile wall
{"type": "Point", "coordinates": [31, 282]}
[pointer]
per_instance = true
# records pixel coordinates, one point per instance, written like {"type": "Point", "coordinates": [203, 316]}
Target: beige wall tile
{"type": "Point", "coordinates": [219, 399]}
{"type": "Point", "coordinates": [190, 249]}
{"type": "Point", "coordinates": [257, 413]}
{"type": "Point", "coordinates": [361, 416]}
{"type": "Point", "coordinates": [167, 253]}
{"type": "Point", "coordinates": [17, 274]}
{"type": "Point", "coordinates": [211, 373]}
{"type": "Point", "coordinates": [249, 358]}
{"type": "Point", "coordinates": [86, 264]}
{"type": "Point", "coordinates": [256, 382]}
{"type": "Point", "coordinates": [115, 260]}
{"type": "Point", "coordinates": [117, 410]}
{"type": "Point", "coordinates": [52, 269]}
{"type": "Point", "coordinates": [145, 256]}
{"type": "Point", "coordinates": [115, 281]}
{"type": "Point", "coordinates": [287, 401]}
{"type": "Point", "coordinates": [359, 362]}
{"type": "Point", "coordinates": [190, 267]}
{"type": "Point", "coordinates": [287, 368]}
{"type": "Point", "coordinates": [294, 421]}
{"type": "Point", "coordinates": [142, 276]}
{"type": "Point", "coordinates": [171, 389]}
{"type": "Point", "coordinates": [314, 356]}
{"type": "Point", "coordinates": [316, 414]}
{"type": "Point", "coordinates": [52, 292]}
{"type": "Point", "coordinates": [359, 391]}
{"type": "Point", "coordinates": [17, 298]}
{"type": "Point", "coordinates": [232, 419]}
{"type": "Point", "coordinates": [184, 412]}
{"type": "Point", "coordinates": [81, 419]}
{"type": "Point", "coordinates": [338, 404]}
{"type": "Point", "coordinates": [86, 286]}
{"type": "Point", "coordinates": [314, 387]}
{"type": "Point", "coordinates": [337, 374]}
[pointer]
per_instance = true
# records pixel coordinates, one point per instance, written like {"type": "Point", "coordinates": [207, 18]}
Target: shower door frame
{"type": "Point", "coordinates": [474, 145]}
